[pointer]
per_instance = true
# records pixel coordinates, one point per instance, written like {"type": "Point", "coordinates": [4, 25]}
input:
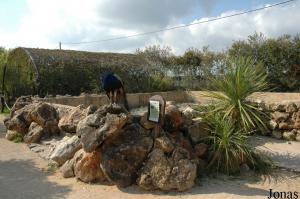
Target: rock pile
{"type": "Point", "coordinates": [108, 144]}
{"type": "Point", "coordinates": [284, 120]}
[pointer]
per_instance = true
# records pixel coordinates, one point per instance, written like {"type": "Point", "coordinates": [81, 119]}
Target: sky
{"type": "Point", "coordinates": [45, 23]}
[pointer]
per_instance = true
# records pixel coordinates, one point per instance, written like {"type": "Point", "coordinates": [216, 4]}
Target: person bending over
{"type": "Point", "coordinates": [114, 88]}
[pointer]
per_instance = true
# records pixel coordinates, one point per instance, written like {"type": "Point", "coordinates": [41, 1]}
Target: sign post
{"type": "Point", "coordinates": [156, 112]}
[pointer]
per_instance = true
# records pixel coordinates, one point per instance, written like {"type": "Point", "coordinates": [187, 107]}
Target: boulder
{"type": "Point", "coordinates": [45, 115]}
{"type": "Point", "coordinates": [173, 119]}
{"type": "Point", "coordinates": [67, 169]}
{"type": "Point", "coordinates": [289, 135]}
{"type": "Point", "coordinates": [174, 173]}
{"type": "Point", "coordinates": [280, 116]}
{"type": "Point", "coordinates": [278, 107]}
{"type": "Point", "coordinates": [164, 143]}
{"type": "Point", "coordinates": [284, 126]}
{"type": "Point", "coordinates": [66, 150]}
{"type": "Point", "coordinates": [198, 131]}
{"type": "Point", "coordinates": [291, 108]}
{"type": "Point", "coordinates": [179, 140]}
{"type": "Point", "coordinates": [297, 125]}
{"type": "Point", "coordinates": [123, 155]}
{"type": "Point", "coordinates": [88, 169]}
{"type": "Point", "coordinates": [69, 122]}
{"type": "Point", "coordinates": [10, 135]}
{"type": "Point", "coordinates": [92, 137]}
{"type": "Point", "coordinates": [276, 134]}
{"type": "Point", "coordinates": [145, 123]}
{"type": "Point", "coordinates": [34, 134]}
{"type": "Point", "coordinates": [272, 125]}
{"type": "Point", "coordinates": [298, 137]}
{"type": "Point", "coordinates": [20, 119]}
{"type": "Point", "coordinates": [201, 150]}
{"type": "Point", "coordinates": [188, 115]}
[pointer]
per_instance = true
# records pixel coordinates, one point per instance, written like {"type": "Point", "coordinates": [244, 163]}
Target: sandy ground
{"type": "Point", "coordinates": [24, 175]}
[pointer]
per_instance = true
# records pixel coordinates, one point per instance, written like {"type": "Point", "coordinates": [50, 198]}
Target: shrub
{"type": "Point", "coordinates": [229, 147]}
{"type": "Point", "coordinates": [242, 79]}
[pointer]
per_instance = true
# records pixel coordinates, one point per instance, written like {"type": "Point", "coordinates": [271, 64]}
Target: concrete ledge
{"type": "Point", "coordinates": [141, 99]}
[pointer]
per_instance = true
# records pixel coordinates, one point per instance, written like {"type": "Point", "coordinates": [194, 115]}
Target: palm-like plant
{"type": "Point", "coordinates": [229, 147]}
{"type": "Point", "coordinates": [231, 90]}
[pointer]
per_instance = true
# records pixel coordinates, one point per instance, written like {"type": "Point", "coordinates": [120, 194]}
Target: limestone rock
{"type": "Point", "coordinates": [92, 137]}
{"type": "Point", "coordinates": [123, 155]}
{"type": "Point", "coordinates": [290, 108]}
{"type": "Point", "coordinates": [201, 149]}
{"type": "Point", "coordinates": [298, 137]}
{"type": "Point", "coordinates": [289, 135]}
{"type": "Point", "coordinates": [69, 122]}
{"type": "Point", "coordinates": [45, 115]}
{"type": "Point", "coordinates": [10, 135]}
{"type": "Point", "coordinates": [278, 107]}
{"type": "Point", "coordinates": [276, 134]}
{"type": "Point", "coordinates": [272, 124]}
{"type": "Point", "coordinates": [67, 169]}
{"type": "Point", "coordinates": [173, 119]}
{"type": "Point", "coordinates": [34, 134]}
{"type": "Point", "coordinates": [198, 131]}
{"type": "Point", "coordinates": [164, 143]}
{"type": "Point", "coordinates": [280, 116]}
{"type": "Point", "coordinates": [66, 150]}
{"type": "Point", "coordinates": [88, 168]}
{"type": "Point", "coordinates": [284, 126]}
{"type": "Point", "coordinates": [161, 172]}
{"type": "Point", "coordinates": [297, 125]}
{"type": "Point", "coordinates": [145, 123]}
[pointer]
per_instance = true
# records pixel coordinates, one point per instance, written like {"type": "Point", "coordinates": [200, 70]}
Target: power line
{"type": "Point", "coordinates": [181, 26]}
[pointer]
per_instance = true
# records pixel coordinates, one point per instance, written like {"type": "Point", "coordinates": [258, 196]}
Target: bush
{"type": "Point", "coordinates": [242, 79]}
{"type": "Point", "coordinates": [229, 147]}
{"type": "Point", "coordinates": [232, 117]}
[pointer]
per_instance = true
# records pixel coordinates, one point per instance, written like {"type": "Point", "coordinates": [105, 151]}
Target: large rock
{"type": "Point", "coordinates": [198, 131]}
{"type": "Point", "coordinates": [174, 173]}
{"type": "Point", "coordinates": [290, 135]}
{"type": "Point", "coordinates": [68, 123]}
{"type": "Point", "coordinates": [276, 134]}
{"type": "Point", "coordinates": [201, 150]}
{"type": "Point", "coordinates": [66, 150]}
{"type": "Point", "coordinates": [34, 134]}
{"type": "Point", "coordinates": [67, 169]}
{"type": "Point", "coordinates": [123, 155]}
{"type": "Point", "coordinates": [272, 125]}
{"type": "Point", "coordinates": [88, 169]}
{"type": "Point", "coordinates": [145, 123]}
{"type": "Point", "coordinates": [91, 137]}
{"type": "Point", "coordinates": [45, 115]}
{"type": "Point", "coordinates": [290, 108]}
{"type": "Point", "coordinates": [20, 119]}
{"type": "Point", "coordinates": [10, 135]}
{"type": "Point", "coordinates": [280, 116]}
{"type": "Point", "coordinates": [174, 120]}
{"type": "Point", "coordinates": [164, 143]}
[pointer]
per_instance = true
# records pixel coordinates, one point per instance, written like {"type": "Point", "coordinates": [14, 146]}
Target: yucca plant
{"type": "Point", "coordinates": [229, 148]}
{"type": "Point", "coordinates": [230, 92]}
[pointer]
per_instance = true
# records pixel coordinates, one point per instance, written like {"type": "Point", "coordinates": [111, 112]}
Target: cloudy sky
{"type": "Point", "coordinates": [43, 23]}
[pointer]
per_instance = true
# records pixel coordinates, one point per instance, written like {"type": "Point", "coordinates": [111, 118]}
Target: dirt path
{"type": "Point", "coordinates": [23, 175]}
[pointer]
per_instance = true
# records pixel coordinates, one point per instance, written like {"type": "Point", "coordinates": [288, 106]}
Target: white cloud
{"type": "Point", "coordinates": [51, 21]}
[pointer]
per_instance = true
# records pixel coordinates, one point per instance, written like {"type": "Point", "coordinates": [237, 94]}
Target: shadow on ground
{"type": "Point", "coordinates": [210, 186]}
{"type": "Point", "coordinates": [22, 179]}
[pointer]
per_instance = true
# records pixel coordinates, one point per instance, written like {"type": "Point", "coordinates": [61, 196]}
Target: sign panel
{"type": "Point", "coordinates": [154, 111]}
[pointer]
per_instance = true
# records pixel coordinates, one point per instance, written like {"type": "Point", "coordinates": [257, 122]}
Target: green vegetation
{"type": "Point", "coordinates": [18, 138]}
{"type": "Point", "coordinates": [232, 117]}
{"type": "Point", "coordinates": [154, 68]}
{"type": "Point", "coordinates": [231, 90]}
